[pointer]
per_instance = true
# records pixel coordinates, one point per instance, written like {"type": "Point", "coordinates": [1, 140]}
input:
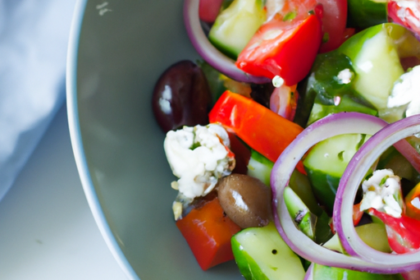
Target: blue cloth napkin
{"type": "Point", "coordinates": [33, 47]}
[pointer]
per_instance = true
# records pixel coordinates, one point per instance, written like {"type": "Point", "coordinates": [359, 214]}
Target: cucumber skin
{"type": "Point", "coordinates": [324, 186]}
{"type": "Point", "coordinates": [366, 13]}
{"type": "Point", "coordinates": [320, 110]}
{"type": "Point", "coordinates": [321, 272]}
{"type": "Point", "coordinates": [289, 264]}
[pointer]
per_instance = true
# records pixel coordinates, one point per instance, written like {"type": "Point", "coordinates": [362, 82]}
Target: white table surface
{"type": "Point", "coordinates": [47, 230]}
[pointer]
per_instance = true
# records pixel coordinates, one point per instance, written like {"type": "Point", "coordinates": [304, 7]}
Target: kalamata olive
{"type": "Point", "coordinates": [181, 97]}
{"type": "Point", "coordinates": [245, 200]}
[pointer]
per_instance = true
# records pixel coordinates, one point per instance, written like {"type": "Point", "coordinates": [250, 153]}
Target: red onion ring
{"type": "Point", "coordinates": [349, 184]}
{"type": "Point", "coordinates": [208, 52]}
{"type": "Point", "coordinates": [327, 127]}
{"type": "Point", "coordinates": [309, 273]}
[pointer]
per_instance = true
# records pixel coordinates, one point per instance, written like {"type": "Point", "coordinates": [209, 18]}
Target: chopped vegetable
{"type": "Point", "coordinates": [262, 129]}
{"type": "Point", "coordinates": [260, 253]}
{"type": "Point", "coordinates": [236, 25]}
{"type": "Point", "coordinates": [285, 46]}
{"type": "Point", "coordinates": [208, 232]}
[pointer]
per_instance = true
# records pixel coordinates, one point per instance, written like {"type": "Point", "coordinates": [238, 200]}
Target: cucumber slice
{"type": "Point", "coordinates": [374, 53]}
{"type": "Point", "coordinates": [326, 162]}
{"type": "Point", "coordinates": [236, 25]}
{"type": "Point", "coordinates": [260, 167]}
{"type": "Point", "coordinates": [346, 104]}
{"type": "Point", "coordinates": [301, 214]}
{"type": "Point", "coordinates": [321, 272]}
{"type": "Point", "coordinates": [374, 235]}
{"type": "Point", "coordinates": [261, 253]}
{"type": "Point", "coordinates": [366, 13]}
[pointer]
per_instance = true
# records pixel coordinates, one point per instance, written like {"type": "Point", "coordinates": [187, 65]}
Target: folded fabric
{"type": "Point", "coordinates": [33, 47]}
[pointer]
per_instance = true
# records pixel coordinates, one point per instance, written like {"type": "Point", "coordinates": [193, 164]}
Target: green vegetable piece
{"type": "Point", "coordinates": [213, 79]}
{"type": "Point", "coordinates": [300, 184]}
{"type": "Point", "coordinates": [392, 159]}
{"type": "Point", "coordinates": [374, 235]}
{"type": "Point", "coordinates": [322, 272]}
{"type": "Point", "coordinates": [236, 25]}
{"type": "Point", "coordinates": [375, 58]}
{"type": "Point", "coordinates": [366, 13]}
{"type": "Point", "coordinates": [301, 214]}
{"type": "Point", "coordinates": [261, 254]}
{"type": "Point", "coordinates": [260, 167]}
{"type": "Point", "coordinates": [326, 162]}
{"type": "Point", "coordinates": [345, 104]}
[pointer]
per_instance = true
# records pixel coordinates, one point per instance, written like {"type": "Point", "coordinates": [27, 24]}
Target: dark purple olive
{"type": "Point", "coordinates": [181, 97]}
{"type": "Point", "coordinates": [245, 200]}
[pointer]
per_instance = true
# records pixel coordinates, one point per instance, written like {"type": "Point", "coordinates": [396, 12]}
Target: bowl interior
{"type": "Point", "coordinates": [123, 48]}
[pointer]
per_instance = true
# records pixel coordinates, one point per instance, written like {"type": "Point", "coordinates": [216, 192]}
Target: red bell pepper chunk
{"type": "Point", "coordinates": [283, 47]}
{"type": "Point", "coordinates": [412, 202]}
{"type": "Point", "coordinates": [259, 127]}
{"type": "Point", "coordinates": [208, 232]}
{"type": "Point", "coordinates": [403, 232]}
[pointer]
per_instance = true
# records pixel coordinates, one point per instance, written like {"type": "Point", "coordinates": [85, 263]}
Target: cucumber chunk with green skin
{"type": "Point", "coordinates": [375, 58]}
{"type": "Point", "coordinates": [260, 167]}
{"type": "Point", "coordinates": [326, 162]}
{"type": "Point", "coordinates": [300, 184]}
{"type": "Point", "coordinates": [321, 272]}
{"type": "Point", "coordinates": [366, 13]}
{"type": "Point", "coordinates": [261, 254]}
{"type": "Point", "coordinates": [236, 25]}
{"type": "Point", "coordinates": [300, 213]}
{"type": "Point", "coordinates": [346, 104]}
{"type": "Point", "coordinates": [374, 235]}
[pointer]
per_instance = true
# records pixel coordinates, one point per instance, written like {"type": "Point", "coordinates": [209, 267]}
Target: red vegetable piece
{"type": "Point", "coordinates": [357, 216]}
{"type": "Point", "coordinates": [208, 232]}
{"type": "Point", "coordinates": [209, 9]}
{"type": "Point", "coordinates": [334, 19]}
{"type": "Point", "coordinates": [403, 232]}
{"type": "Point", "coordinates": [406, 13]}
{"type": "Point", "coordinates": [259, 127]}
{"type": "Point", "coordinates": [285, 46]}
{"type": "Point", "coordinates": [242, 154]}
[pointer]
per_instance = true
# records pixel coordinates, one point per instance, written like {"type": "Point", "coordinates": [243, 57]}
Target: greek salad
{"type": "Point", "coordinates": [295, 140]}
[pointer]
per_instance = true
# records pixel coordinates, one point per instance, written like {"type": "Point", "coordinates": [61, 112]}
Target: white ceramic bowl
{"type": "Point", "coordinates": [117, 51]}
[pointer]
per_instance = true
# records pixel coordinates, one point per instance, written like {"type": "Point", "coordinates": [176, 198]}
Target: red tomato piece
{"type": "Point", "coordinates": [259, 127]}
{"type": "Point", "coordinates": [209, 9]}
{"type": "Point", "coordinates": [334, 19]}
{"type": "Point", "coordinates": [406, 13]}
{"type": "Point", "coordinates": [402, 232]}
{"type": "Point", "coordinates": [284, 48]}
{"type": "Point", "coordinates": [208, 231]}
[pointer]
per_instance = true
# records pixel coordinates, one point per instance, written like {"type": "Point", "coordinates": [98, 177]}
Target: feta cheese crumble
{"type": "Point", "coordinates": [198, 156]}
{"type": "Point", "coordinates": [406, 92]}
{"type": "Point", "coordinates": [277, 81]}
{"type": "Point", "coordinates": [382, 191]}
{"type": "Point", "coordinates": [345, 76]}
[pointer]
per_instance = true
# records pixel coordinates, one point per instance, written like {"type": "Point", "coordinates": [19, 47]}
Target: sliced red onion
{"type": "Point", "coordinates": [327, 127]}
{"type": "Point", "coordinates": [309, 273]}
{"type": "Point", "coordinates": [208, 52]}
{"type": "Point", "coordinates": [349, 184]}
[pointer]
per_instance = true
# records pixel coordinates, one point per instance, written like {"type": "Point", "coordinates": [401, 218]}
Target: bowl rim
{"type": "Point", "coordinates": [77, 144]}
